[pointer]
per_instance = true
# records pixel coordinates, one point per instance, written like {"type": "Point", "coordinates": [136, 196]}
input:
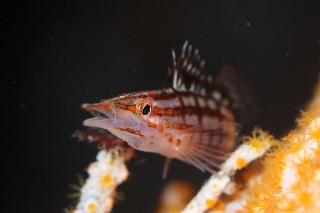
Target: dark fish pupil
{"type": "Point", "coordinates": [146, 109]}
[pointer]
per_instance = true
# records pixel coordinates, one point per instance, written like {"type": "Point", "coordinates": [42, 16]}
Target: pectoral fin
{"type": "Point", "coordinates": [166, 167]}
{"type": "Point", "coordinates": [208, 146]}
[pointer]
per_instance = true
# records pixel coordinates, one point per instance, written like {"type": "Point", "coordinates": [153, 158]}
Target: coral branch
{"type": "Point", "coordinates": [291, 180]}
{"type": "Point", "coordinates": [252, 148]}
{"type": "Point", "coordinates": [99, 190]}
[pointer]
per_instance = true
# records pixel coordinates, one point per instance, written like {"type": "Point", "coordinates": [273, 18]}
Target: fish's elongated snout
{"type": "Point", "coordinates": [104, 108]}
{"type": "Point", "coordinates": [104, 114]}
{"type": "Point", "coordinates": [121, 123]}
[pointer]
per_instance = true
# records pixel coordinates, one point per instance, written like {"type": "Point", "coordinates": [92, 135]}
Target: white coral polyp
{"type": "Point", "coordinates": [97, 194]}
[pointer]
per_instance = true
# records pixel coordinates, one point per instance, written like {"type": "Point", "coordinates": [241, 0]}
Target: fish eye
{"type": "Point", "coordinates": [143, 107]}
{"type": "Point", "coordinates": [146, 109]}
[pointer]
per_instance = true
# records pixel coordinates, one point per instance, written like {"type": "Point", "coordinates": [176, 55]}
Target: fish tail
{"type": "Point", "coordinates": [243, 101]}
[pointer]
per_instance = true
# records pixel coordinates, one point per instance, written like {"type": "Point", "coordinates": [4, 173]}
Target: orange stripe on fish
{"type": "Point", "coordinates": [131, 108]}
{"type": "Point", "coordinates": [131, 131]}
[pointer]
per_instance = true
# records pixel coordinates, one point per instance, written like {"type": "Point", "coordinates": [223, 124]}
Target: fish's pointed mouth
{"type": "Point", "coordinates": [100, 122]}
{"type": "Point", "coordinates": [103, 113]}
{"type": "Point", "coordinates": [98, 109]}
{"type": "Point", "coordinates": [107, 116]}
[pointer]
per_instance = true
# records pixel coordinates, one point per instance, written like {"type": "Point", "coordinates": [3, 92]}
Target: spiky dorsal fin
{"type": "Point", "coordinates": [187, 72]}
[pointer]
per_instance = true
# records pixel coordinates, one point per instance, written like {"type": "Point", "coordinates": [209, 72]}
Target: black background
{"type": "Point", "coordinates": [60, 54]}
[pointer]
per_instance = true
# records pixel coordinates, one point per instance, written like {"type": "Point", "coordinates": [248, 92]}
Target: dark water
{"type": "Point", "coordinates": [60, 54]}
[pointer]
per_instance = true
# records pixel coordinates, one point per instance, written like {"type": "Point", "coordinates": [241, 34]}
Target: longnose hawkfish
{"type": "Point", "coordinates": [194, 120]}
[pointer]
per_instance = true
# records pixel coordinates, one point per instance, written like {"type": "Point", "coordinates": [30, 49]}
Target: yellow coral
{"type": "Point", "coordinates": [291, 179]}
{"type": "Point", "coordinates": [258, 139]}
{"type": "Point", "coordinates": [106, 179]}
{"type": "Point", "coordinates": [241, 162]}
{"type": "Point", "coordinates": [92, 207]}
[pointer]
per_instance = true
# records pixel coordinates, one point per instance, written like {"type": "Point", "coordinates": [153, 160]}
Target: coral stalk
{"type": "Point", "coordinates": [99, 190]}
{"type": "Point", "coordinates": [253, 148]}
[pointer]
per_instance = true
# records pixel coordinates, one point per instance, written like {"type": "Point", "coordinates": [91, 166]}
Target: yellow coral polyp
{"type": "Point", "coordinates": [91, 207]}
{"type": "Point", "coordinates": [106, 179]}
{"type": "Point", "coordinates": [293, 145]}
{"type": "Point", "coordinates": [303, 161]}
{"type": "Point", "coordinates": [210, 203]}
{"type": "Point", "coordinates": [255, 143]}
{"type": "Point", "coordinates": [258, 139]}
{"type": "Point", "coordinates": [305, 199]}
{"type": "Point", "coordinates": [241, 162]}
{"type": "Point", "coordinates": [309, 116]}
{"type": "Point", "coordinates": [315, 134]}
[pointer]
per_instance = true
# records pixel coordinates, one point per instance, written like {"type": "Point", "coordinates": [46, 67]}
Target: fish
{"type": "Point", "coordinates": [195, 119]}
